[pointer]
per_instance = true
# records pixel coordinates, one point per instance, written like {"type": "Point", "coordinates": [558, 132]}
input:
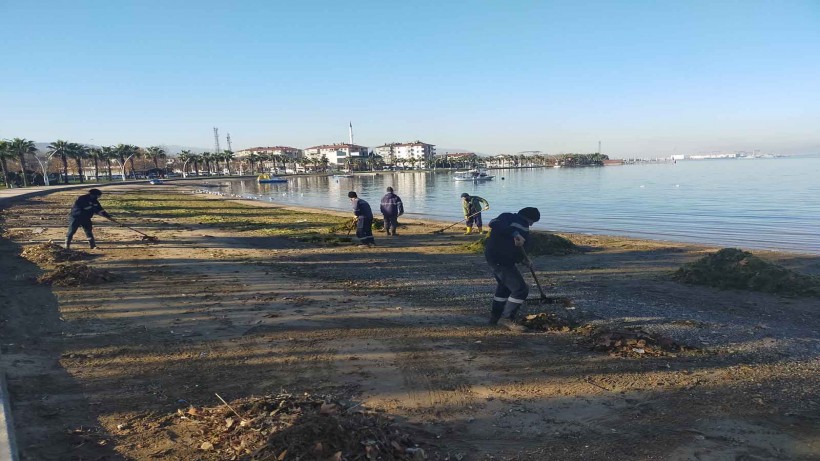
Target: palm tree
{"type": "Point", "coordinates": [108, 153]}
{"type": "Point", "coordinates": [155, 153]}
{"type": "Point", "coordinates": [206, 157]}
{"type": "Point", "coordinates": [123, 153]}
{"type": "Point", "coordinates": [96, 154]}
{"type": "Point", "coordinates": [21, 147]}
{"type": "Point", "coordinates": [185, 157]}
{"type": "Point", "coordinates": [227, 156]}
{"type": "Point", "coordinates": [78, 152]}
{"type": "Point", "coordinates": [60, 148]}
{"type": "Point", "coordinates": [5, 153]}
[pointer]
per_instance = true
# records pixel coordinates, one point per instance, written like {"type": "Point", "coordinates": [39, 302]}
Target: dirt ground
{"type": "Point", "coordinates": [100, 371]}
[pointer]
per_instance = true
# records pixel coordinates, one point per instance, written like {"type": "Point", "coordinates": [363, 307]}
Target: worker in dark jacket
{"type": "Point", "coordinates": [85, 207]}
{"type": "Point", "coordinates": [472, 207]}
{"type": "Point", "coordinates": [509, 234]}
{"type": "Point", "coordinates": [391, 208]}
{"type": "Point", "coordinates": [364, 220]}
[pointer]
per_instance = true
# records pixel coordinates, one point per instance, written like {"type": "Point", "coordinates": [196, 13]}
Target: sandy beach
{"type": "Point", "coordinates": [243, 299]}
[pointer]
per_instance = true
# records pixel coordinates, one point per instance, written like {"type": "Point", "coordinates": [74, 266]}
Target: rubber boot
{"type": "Point", "coordinates": [497, 310]}
{"type": "Point", "coordinates": [507, 319]}
{"type": "Point", "coordinates": [469, 230]}
{"type": "Point", "coordinates": [510, 310]}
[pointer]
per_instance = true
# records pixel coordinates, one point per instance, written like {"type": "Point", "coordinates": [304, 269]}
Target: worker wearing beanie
{"type": "Point", "coordinates": [509, 233]}
{"type": "Point", "coordinates": [85, 207]}
{"type": "Point", "coordinates": [364, 220]}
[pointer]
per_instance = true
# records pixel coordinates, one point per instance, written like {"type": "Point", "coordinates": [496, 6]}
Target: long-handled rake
{"type": "Point", "coordinates": [544, 299]}
{"type": "Point", "coordinates": [145, 237]}
{"type": "Point", "coordinates": [441, 231]}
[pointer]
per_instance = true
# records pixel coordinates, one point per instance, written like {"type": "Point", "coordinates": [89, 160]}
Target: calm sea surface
{"type": "Point", "coordinates": [759, 204]}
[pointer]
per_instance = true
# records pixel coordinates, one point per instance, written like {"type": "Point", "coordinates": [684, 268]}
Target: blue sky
{"type": "Point", "coordinates": [645, 78]}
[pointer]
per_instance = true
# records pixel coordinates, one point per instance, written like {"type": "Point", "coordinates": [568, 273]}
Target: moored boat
{"type": "Point", "coordinates": [266, 178]}
{"type": "Point", "coordinates": [472, 175]}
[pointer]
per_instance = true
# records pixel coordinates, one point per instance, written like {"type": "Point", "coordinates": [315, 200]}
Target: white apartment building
{"type": "Point", "coordinates": [291, 153]}
{"type": "Point", "coordinates": [337, 154]}
{"type": "Point", "coordinates": [401, 153]}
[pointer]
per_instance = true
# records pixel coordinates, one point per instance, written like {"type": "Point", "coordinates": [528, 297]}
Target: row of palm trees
{"type": "Point", "coordinates": [24, 152]}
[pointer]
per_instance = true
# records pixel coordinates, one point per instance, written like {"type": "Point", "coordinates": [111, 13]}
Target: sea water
{"type": "Point", "coordinates": [765, 203]}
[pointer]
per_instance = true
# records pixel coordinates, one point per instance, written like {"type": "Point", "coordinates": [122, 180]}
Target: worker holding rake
{"type": "Point", "coordinates": [85, 207]}
{"type": "Point", "coordinates": [509, 234]}
{"type": "Point", "coordinates": [472, 207]}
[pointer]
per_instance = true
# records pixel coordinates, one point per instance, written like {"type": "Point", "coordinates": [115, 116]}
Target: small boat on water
{"type": "Point", "coordinates": [266, 179]}
{"type": "Point", "coordinates": [472, 175]}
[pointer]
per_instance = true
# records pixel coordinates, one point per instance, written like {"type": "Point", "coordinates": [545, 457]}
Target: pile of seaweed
{"type": "Point", "coordinates": [738, 269]}
{"type": "Point", "coordinates": [344, 226]}
{"type": "Point", "coordinates": [74, 275]}
{"type": "Point", "coordinates": [50, 253]}
{"type": "Point", "coordinates": [296, 427]}
{"type": "Point", "coordinates": [540, 244]}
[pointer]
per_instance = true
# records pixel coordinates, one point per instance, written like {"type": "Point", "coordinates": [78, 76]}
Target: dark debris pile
{"type": "Point", "coordinates": [633, 343]}
{"type": "Point", "coordinates": [738, 269]}
{"type": "Point", "coordinates": [299, 427]}
{"type": "Point", "coordinates": [546, 322]}
{"type": "Point", "coordinates": [75, 274]}
{"type": "Point", "coordinates": [51, 253]}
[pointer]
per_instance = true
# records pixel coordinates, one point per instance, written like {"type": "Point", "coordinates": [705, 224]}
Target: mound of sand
{"type": "Point", "coordinates": [738, 269]}
{"type": "Point", "coordinates": [74, 275]}
{"type": "Point", "coordinates": [294, 427]}
{"type": "Point", "coordinates": [541, 243]}
{"type": "Point", "coordinates": [50, 253]}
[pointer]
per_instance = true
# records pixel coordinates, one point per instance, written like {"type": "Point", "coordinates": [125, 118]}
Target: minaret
{"type": "Point", "coordinates": [351, 132]}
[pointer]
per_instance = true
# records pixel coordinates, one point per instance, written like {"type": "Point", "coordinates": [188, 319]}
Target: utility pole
{"type": "Point", "coordinates": [229, 142]}
{"type": "Point", "coordinates": [216, 141]}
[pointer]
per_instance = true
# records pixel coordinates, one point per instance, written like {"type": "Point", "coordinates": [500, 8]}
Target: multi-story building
{"type": "Point", "coordinates": [418, 153]}
{"type": "Point", "coordinates": [337, 154]}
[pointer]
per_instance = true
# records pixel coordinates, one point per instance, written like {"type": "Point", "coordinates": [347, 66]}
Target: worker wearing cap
{"type": "Point", "coordinates": [85, 207]}
{"type": "Point", "coordinates": [473, 206]}
{"type": "Point", "coordinates": [509, 234]}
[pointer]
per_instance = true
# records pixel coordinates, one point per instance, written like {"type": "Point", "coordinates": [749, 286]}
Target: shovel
{"type": "Point", "coordinates": [145, 237]}
{"type": "Point", "coordinates": [441, 231]}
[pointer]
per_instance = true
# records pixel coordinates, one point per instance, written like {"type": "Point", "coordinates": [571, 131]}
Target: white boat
{"type": "Point", "coordinates": [472, 175]}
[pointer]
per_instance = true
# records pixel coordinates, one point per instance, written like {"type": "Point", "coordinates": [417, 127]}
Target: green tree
{"type": "Point", "coordinates": [20, 147]}
{"type": "Point", "coordinates": [61, 148]}
{"type": "Point", "coordinates": [78, 153]}
{"type": "Point", "coordinates": [227, 156]}
{"type": "Point", "coordinates": [155, 153]}
{"type": "Point", "coordinates": [5, 154]}
{"type": "Point", "coordinates": [96, 154]}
